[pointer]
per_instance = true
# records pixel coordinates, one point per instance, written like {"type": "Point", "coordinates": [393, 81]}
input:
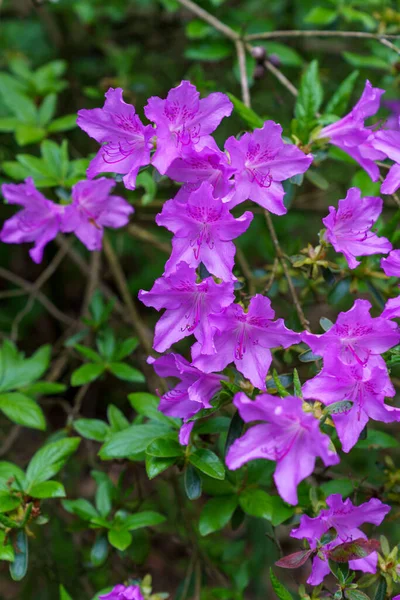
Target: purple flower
{"type": "Point", "coordinates": [366, 387]}
{"type": "Point", "coordinates": [388, 142]}
{"type": "Point", "coordinates": [184, 120]}
{"type": "Point", "coordinates": [391, 264]}
{"type": "Point", "coordinates": [188, 307]}
{"type": "Point", "coordinates": [39, 220]}
{"type": "Point", "coordinates": [120, 592]}
{"type": "Point", "coordinates": [346, 519]}
{"type": "Point", "coordinates": [203, 229]}
{"type": "Point", "coordinates": [349, 228]}
{"type": "Point", "coordinates": [92, 209]}
{"type": "Point", "coordinates": [393, 121]}
{"type": "Point", "coordinates": [245, 338]}
{"type": "Point", "coordinates": [209, 164]}
{"type": "Point", "coordinates": [126, 141]}
{"type": "Point", "coordinates": [287, 435]}
{"type": "Point", "coordinates": [392, 308]}
{"type": "Point", "coordinates": [190, 395]}
{"type": "Point", "coordinates": [355, 337]}
{"type": "Point", "coordinates": [353, 137]}
{"type": "Point", "coordinates": [262, 160]}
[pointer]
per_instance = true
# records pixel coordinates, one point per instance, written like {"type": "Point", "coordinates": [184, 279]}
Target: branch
{"type": "Point", "coordinates": [144, 235]}
{"type": "Point", "coordinates": [241, 54]}
{"type": "Point", "coordinates": [267, 35]}
{"type": "Point", "coordinates": [213, 21]}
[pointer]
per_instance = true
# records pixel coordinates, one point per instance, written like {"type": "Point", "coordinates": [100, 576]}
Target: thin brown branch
{"type": "Point", "coordinates": [93, 281]}
{"type": "Point", "coordinates": [281, 77]}
{"type": "Point", "coordinates": [213, 21]}
{"type": "Point", "coordinates": [146, 236]}
{"type": "Point", "coordinates": [241, 54]}
{"type": "Point", "coordinates": [269, 35]}
{"type": "Point", "coordinates": [246, 271]}
{"type": "Point", "coordinates": [281, 257]}
{"type": "Point", "coordinates": [10, 439]}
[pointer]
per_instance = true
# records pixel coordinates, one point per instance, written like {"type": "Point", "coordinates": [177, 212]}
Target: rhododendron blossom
{"type": "Point", "coordinates": [365, 387]}
{"type": "Point", "coordinates": [189, 306]}
{"type": "Point", "coordinates": [203, 231]}
{"type": "Point", "coordinates": [349, 227]}
{"type": "Point", "coordinates": [286, 435]}
{"type": "Point", "coordinates": [388, 142]}
{"type": "Point", "coordinates": [39, 221]}
{"type": "Point", "coordinates": [183, 119]}
{"type": "Point", "coordinates": [351, 135]}
{"type": "Point", "coordinates": [120, 592]}
{"type": "Point", "coordinates": [392, 309]}
{"type": "Point", "coordinates": [126, 142]}
{"type": "Point", "coordinates": [345, 519]}
{"type": "Point", "coordinates": [393, 120]}
{"type": "Point", "coordinates": [391, 264]}
{"type": "Point", "coordinates": [92, 209]}
{"type": "Point", "coordinates": [355, 337]}
{"type": "Point", "coordinates": [262, 161]}
{"type": "Point", "coordinates": [245, 338]}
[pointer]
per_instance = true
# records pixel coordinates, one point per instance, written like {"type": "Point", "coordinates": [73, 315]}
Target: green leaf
{"type": "Point", "coordinates": [210, 51]}
{"type": "Point", "coordinates": [64, 123]}
{"type": "Point", "coordinates": [126, 348]}
{"type": "Point", "coordinates": [380, 593]}
{"type": "Point", "coordinates": [279, 589]}
{"type": "Point", "coordinates": [99, 551]}
{"type": "Point", "coordinates": [356, 595]}
{"type": "Point", "coordinates": [8, 502]}
{"type": "Point", "coordinates": [92, 429]}
{"type": "Point", "coordinates": [321, 16]}
{"type": "Point", "coordinates": [88, 353]}
{"type": "Point", "coordinates": [47, 109]}
{"type": "Point", "coordinates": [317, 179]}
{"type": "Point", "coordinates": [234, 432]}
{"type": "Point", "coordinates": [56, 158]}
{"type": "Point", "coordinates": [126, 372]}
{"type": "Point", "coordinates": [81, 508]}
{"type": "Point", "coordinates": [366, 61]}
{"type": "Point", "coordinates": [165, 447]}
{"type": "Point", "coordinates": [197, 29]}
{"type": "Point", "coordinates": [247, 114]}
{"type": "Point", "coordinates": [133, 440]}
{"type": "Point", "coordinates": [155, 466]}
{"type": "Point", "coordinates": [280, 511]}
{"type": "Point", "coordinates": [146, 518]}
{"type": "Point", "coordinates": [22, 410]}
{"type": "Point", "coordinates": [87, 373]}
{"type": "Point", "coordinates": [29, 134]}
{"type": "Point", "coordinates": [297, 384]}
{"type": "Point", "coordinates": [49, 460]}
{"type": "Point", "coordinates": [192, 481]}
{"type": "Point", "coordinates": [19, 104]}
{"type": "Point", "coordinates": [338, 486]}
{"type": "Point", "coordinates": [9, 471]}
{"type": "Point", "coordinates": [19, 567]}
{"type": "Point", "coordinates": [6, 549]}
{"type": "Point", "coordinates": [217, 513]}
{"type": "Point", "coordinates": [256, 503]}
{"type": "Point", "coordinates": [104, 496]}
{"type": "Point", "coordinates": [48, 489]}
{"type": "Point", "coordinates": [44, 387]}
{"type": "Point", "coordinates": [116, 418]}
{"type": "Point", "coordinates": [8, 124]}
{"type": "Point", "coordinates": [338, 104]}
{"type": "Point", "coordinates": [207, 462]}
{"type": "Point", "coordinates": [16, 371]}
{"type": "Point", "coordinates": [363, 181]}
{"type": "Point", "coordinates": [310, 93]}
{"type": "Point", "coordinates": [147, 405]}
{"type": "Point", "coordinates": [119, 539]}
{"type": "Point", "coordinates": [64, 594]}
{"type": "Point", "coordinates": [377, 439]}
{"type": "Point", "coordinates": [146, 181]}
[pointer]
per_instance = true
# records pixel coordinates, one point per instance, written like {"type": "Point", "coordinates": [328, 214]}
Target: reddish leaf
{"type": "Point", "coordinates": [352, 550]}
{"type": "Point", "coordinates": [295, 560]}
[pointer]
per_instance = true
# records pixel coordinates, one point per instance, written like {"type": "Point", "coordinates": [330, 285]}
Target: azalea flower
{"type": "Point", "coordinates": [349, 227]}
{"type": "Point", "coordinates": [183, 120]}
{"type": "Point", "coordinates": [203, 231]}
{"type": "Point", "coordinates": [39, 221]}
{"type": "Point", "coordinates": [391, 264]}
{"type": "Point", "coordinates": [262, 161]}
{"type": "Point", "coordinates": [345, 519]}
{"type": "Point", "coordinates": [92, 209]}
{"type": "Point", "coordinates": [388, 142]}
{"type": "Point", "coordinates": [126, 142]}
{"type": "Point", "coordinates": [120, 592]}
{"type": "Point", "coordinates": [286, 435]}
{"type": "Point", "coordinates": [188, 305]}
{"type": "Point", "coordinates": [245, 338]}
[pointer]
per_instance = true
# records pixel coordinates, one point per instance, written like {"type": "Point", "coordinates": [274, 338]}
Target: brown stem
{"type": "Point", "coordinates": [281, 77]}
{"type": "Point", "coordinates": [267, 35]}
{"type": "Point", "coordinates": [241, 54]}
{"type": "Point", "coordinates": [216, 23]}
{"type": "Point", "coordinates": [147, 236]}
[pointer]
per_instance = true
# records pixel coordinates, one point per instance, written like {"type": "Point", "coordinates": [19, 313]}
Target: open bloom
{"type": "Point", "coordinates": [39, 220]}
{"type": "Point", "coordinates": [393, 120]}
{"type": "Point", "coordinates": [184, 120]}
{"type": "Point", "coordinates": [203, 231]}
{"type": "Point", "coordinates": [392, 309]}
{"type": "Point", "coordinates": [208, 164]}
{"type": "Point", "coordinates": [388, 142]}
{"type": "Point", "coordinates": [245, 338]}
{"type": "Point", "coordinates": [353, 137]}
{"type": "Point", "coordinates": [191, 394]}
{"type": "Point", "coordinates": [92, 209]}
{"type": "Point", "coordinates": [120, 592]}
{"type": "Point", "coordinates": [366, 387]}
{"type": "Point", "coordinates": [188, 307]}
{"type": "Point", "coordinates": [287, 435]}
{"type": "Point", "coordinates": [349, 228]}
{"type": "Point", "coordinates": [346, 519]}
{"type": "Point", "coordinates": [262, 160]}
{"type": "Point", "coordinates": [391, 264]}
{"type": "Point", "coordinates": [125, 140]}
{"type": "Point", "coordinates": [355, 337]}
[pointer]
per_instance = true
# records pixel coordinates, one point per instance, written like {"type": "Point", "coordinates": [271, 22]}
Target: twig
{"type": "Point", "coordinates": [146, 236]}
{"type": "Point", "coordinates": [78, 400]}
{"type": "Point", "coordinates": [10, 439]}
{"type": "Point", "coordinates": [388, 44]}
{"type": "Point", "coordinates": [93, 281]}
{"type": "Point", "coordinates": [216, 23]}
{"type": "Point", "coordinates": [122, 285]}
{"type": "Point", "coordinates": [246, 270]}
{"type": "Point", "coordinates": [40, 297]}
{"type": "Point", "coordinates": [241, 54]}
{"type": "Point", "coordinates": [281, 77]}
{"type": "Point", "coordinates": [266, 35]}
{"type": "Point", "coordinates": [281, 257]}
